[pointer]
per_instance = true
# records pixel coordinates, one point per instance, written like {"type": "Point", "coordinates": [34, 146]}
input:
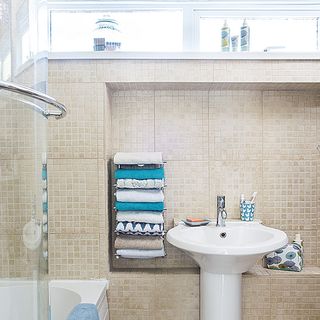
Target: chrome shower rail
{"type": "Point", "coordinates": [37, 95]}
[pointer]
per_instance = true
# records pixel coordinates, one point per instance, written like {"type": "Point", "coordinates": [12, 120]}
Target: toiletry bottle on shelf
{"type": "Point", "coordinates": [245, 36]}
{"type": "Point", "coordinates": [234, 43]}
{"type": "Point", "coordinates": [225, 37]}
{"type": "Point", "coordinates": [297, 240]}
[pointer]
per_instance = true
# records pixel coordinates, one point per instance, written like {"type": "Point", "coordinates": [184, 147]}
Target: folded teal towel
{"type": "Point", "coordinates": [139, 174]}
{"type": "Point", "coordinates": [139, 206]}
{"type": "Point", "coordinates": [84, 311]}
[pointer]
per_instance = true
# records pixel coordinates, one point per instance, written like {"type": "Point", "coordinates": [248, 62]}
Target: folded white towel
{"type": "Point", "coordinates": [140, 184]}
{"type": "Point", "coordinates": [140, 195]}
{"type": "Point", "coordinates": [140, 254]}
{"type": "Point", "coordinates": [140, 216]}
{"type": "Point", "coordinates": [138, 158]}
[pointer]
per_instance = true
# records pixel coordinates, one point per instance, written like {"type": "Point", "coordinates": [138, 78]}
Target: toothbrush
{"type": "Point", "coordinates": [253, 197]}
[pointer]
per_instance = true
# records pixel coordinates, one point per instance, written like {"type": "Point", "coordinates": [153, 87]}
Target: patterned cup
{"type": "Point", "coordinates": [247, 211]}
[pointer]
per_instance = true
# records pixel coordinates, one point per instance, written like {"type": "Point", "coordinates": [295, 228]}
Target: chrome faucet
{"type": "Point", "coordinates": [221, 212]}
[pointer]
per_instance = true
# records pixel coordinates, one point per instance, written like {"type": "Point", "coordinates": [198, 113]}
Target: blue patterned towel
{"type": "Point", "coordinates": [84, 311]}
{"type": "Point", "coordinates": [139, 174]}
{"type": "Point", "coordinates": [139, 206]}
{"type": "Point", "coordinates": [140, 228]}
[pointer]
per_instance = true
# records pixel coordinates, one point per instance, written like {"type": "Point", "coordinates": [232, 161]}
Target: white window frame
{"type": "Point", "coordinates": [105, 6]}
{"type": "Point", "coordinates": [193, 11]}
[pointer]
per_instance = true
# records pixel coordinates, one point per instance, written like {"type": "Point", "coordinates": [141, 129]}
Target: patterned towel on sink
{"type": "Point", "coordinates": [288, 258]}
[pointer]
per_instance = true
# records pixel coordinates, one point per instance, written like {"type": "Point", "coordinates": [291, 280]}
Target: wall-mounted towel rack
{"type": "Point", "coordinates": [173, 259]}
{"type": "Point", "coordinates": [37, 95]}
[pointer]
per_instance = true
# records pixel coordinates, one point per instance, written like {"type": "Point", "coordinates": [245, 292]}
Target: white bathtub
{"type": "Point", "coordinates": [66, 294]}
{"type": "Point", "coordinates": [16, 298]}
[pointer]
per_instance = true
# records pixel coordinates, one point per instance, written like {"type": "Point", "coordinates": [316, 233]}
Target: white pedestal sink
{"type": "Point", "coordinates": [223, 254]}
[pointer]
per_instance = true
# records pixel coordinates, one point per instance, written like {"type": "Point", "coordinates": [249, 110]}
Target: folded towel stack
{"type": "Point", "coordinates": [139, 205]}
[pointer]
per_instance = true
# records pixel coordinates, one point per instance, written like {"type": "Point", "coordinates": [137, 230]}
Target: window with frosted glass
{"type": "Point", "coordinates": [266, 34]}
{"type": "Point", "coordinates": [145, 30]}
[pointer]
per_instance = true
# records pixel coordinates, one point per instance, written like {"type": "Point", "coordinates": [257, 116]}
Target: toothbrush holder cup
{"type": "Point", "coordinates": [247, 211]}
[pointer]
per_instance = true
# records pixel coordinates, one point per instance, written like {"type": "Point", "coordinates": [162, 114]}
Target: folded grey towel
{"type": "Point", "coordinates": [138, 242]}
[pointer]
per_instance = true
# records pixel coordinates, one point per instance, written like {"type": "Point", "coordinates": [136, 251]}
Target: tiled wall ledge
{"type": "Point", "coordinates": [269, 86]}
{"type": "Point", "coordinates": [126, 72]}
{"type": "Point", "coordinates": [259, 271]}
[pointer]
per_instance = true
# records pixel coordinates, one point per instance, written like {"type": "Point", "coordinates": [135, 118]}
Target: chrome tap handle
{"type": "Point", "coordinates": [221, 202]}
{"type": "Point", "coordinates": [221, 212]}
{"type": "Point", "coordinates": [224, 214]}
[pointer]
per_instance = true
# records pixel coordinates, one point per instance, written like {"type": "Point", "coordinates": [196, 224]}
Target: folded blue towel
{"type": "Point", "coordinates": [139, 174]}
{"type": "Point", "coordinates": [139, 206]}
{"type": "Point", "coordinates": [84, 311]}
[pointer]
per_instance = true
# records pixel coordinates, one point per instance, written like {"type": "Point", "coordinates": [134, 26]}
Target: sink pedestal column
{"type": "Point", "coordinates": [220, 296]}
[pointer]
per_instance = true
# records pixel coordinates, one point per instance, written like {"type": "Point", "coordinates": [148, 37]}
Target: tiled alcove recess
{"type": "Point", "coordinates": [225, 138]}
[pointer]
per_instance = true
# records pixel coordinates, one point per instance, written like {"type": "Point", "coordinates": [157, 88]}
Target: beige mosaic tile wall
{"type": "Point", "coordinates": [77, 194]}
{"type": "Point", "coordinates": [215, 141]}
{"type": "Point", "coordinates": [230, 142]}
{"type": "Point", "coordinates": [20, 183]}
{"type": "Point", "coordinates": [22, 139]}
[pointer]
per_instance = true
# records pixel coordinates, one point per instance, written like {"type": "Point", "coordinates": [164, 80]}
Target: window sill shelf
{"type": "Point", "coordinates": [119, 55]}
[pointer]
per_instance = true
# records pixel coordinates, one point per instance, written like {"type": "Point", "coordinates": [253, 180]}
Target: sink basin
{"type": "Point", "coordinates": [231, 249]}
{"type": "Point", "coordinates": [223, 254]}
